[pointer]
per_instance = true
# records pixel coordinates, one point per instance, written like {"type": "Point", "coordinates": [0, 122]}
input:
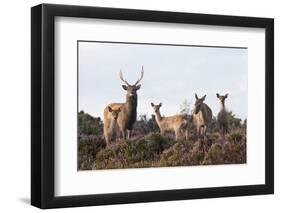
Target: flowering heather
{"type": "Point", "coordinates": [147, 148]}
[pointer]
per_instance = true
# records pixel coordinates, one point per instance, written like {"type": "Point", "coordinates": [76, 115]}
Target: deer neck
{"type": "Point", "coordinates": [222, 106]}
{"type": "Point", "coordinates": [158, 116]}
{"type": "Point", "coordinates": [131, 103]}
{"type": "Point", "coordinates": [131, 110]}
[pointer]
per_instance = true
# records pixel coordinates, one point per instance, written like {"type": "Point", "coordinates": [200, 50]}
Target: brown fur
{"type": "Point", "coordinates": [176, 123]}
{"type": "Point", "coordinates": [110, 123]}
{"type": "Point", "coordinates": [202, 116]}
{"type": "Point", "coordinates": [128, 110]}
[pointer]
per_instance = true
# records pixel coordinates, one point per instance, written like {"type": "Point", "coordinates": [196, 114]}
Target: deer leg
{"type": "Point", "coordinates": [205, 131]}
{"type": "Point", "coordinates": [201, 132]}
{"type": "Point", "coordinates": [117, 135]}
{"type": "Point", "coordinates": [129, 133]}
{"type": "Point", "coordinates": [106, 139]}
{"type": "Point", "coordinates": [177, 134]}
{"type": "Point", "coordinates": [181, 134]}
{"type": "Point", "coordinates": [123, 135]}
{"type": "Point", "coordinates": [109, 138]}
{"type": "Point", "coordinates": [186, 135]}
{"type": "Point", "coordinates": [112, 137]}
{"type": "Point", "coordinates": [198, 132]}
{"type": "Point", "coordinates": [162, 132]}
{"type": "Point", "coordinates": [221, 130]}
{"type": "Point", "coordinates": [226, 129]}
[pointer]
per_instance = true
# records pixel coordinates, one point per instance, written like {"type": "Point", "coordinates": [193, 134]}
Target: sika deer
{"type": "Point", "coordinates": [128, 113]}
{"type": "Point", "coordinates": [110, 124]}
{"type": "Point", "coordinates": [176, 123]}
{"type": "Point", "coordinates": [202, 116]}
{"type": "Point", "coordinates": [223, 116]}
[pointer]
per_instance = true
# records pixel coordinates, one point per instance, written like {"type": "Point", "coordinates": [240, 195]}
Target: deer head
{"type": "Point", "coordinates": [222, 97]}
{"type": "Point", "coordinates": [114, 112]}
{"type": "Point", "coordinates": [131, 88]}
{"type": "Point", "coordinates": [156, 107]}
{"type": "Point", "coordinates": [198, 103]}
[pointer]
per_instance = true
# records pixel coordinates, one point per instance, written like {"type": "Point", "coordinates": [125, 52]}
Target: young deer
{"type": "Point", "coordinates": [223, 116]}
{"type": "Point", "coordinates": [176, 123]}
{"type": "Point", "coordinates": [202, 116]}
{"type": "Point", "coordinates": [128, 113]}
{"type": "Point", "coordinates": [110, 124]}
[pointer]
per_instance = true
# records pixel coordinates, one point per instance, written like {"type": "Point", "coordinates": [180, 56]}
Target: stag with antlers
{"type": "Point", "coordinates": [128, 110]}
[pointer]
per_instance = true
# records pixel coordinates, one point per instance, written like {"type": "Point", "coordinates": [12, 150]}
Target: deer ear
{"type": "Point", "coordinates": [124, 87]}
{"type": "Point", "coordinates": [226, 95]}
{"type": "Point", "coordinates": [109, 109]}
{"type": "Point", "coordinates": [196, 96]}
{"type": "Point", "coordinates": [152, 104]}
{"type": "Point", "coordinates": [119, 109]}
{"type": "Point", "coordinates": [218, 95]}
{"type": "Point", "coordinates": [203, 98]}
{"type": "Point", "coordinates": [138, 87]}
{"type": "Point", "coordinates": [160, 104]}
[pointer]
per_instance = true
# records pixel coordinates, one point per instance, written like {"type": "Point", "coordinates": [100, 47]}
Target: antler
{"type": "Point", "coordinates": [122, 79]}
{"type": "Point", "coordinates": [140, 77]}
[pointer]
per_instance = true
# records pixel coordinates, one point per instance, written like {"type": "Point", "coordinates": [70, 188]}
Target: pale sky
{"type": "Point", "coordinates": [172, 74]}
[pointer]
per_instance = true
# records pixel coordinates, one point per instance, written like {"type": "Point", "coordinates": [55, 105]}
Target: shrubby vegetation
{"type": "Point", "coordinates": [90, 140]}
{"type": "Point", "coordinates": [147, 148]}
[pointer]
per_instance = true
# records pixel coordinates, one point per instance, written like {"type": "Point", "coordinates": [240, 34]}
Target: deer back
{"type": "Point", "coordinates": [172, 122]}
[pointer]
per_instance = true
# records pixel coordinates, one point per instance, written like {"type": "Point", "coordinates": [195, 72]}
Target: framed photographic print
{"type": "Point", "coordinates": [139, 106]}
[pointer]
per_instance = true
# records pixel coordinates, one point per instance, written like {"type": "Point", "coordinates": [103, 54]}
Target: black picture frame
{"type": "Point", "coordinates": [43, 102]}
